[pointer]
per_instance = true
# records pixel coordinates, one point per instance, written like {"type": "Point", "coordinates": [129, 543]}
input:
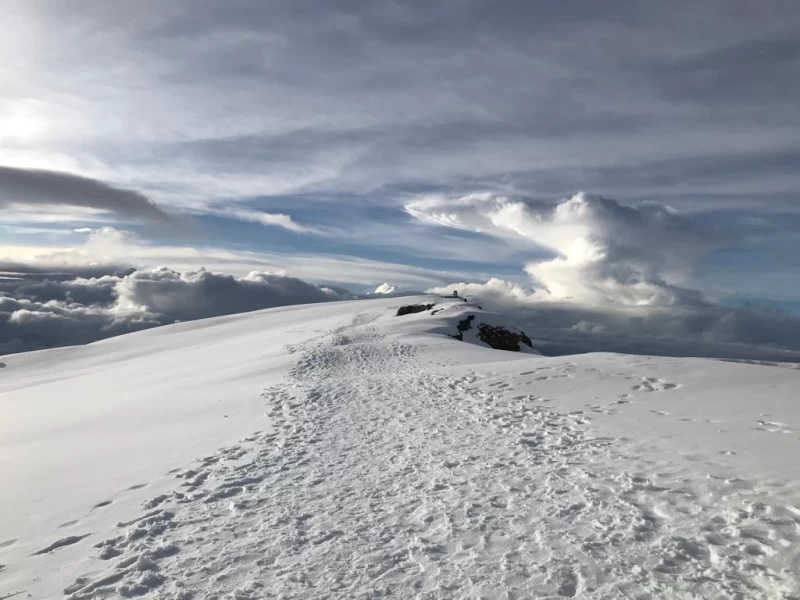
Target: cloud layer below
{"type": "Point", "coordinates": [41, 310]}
{"type": "Point", "coordinates": [689, 330]}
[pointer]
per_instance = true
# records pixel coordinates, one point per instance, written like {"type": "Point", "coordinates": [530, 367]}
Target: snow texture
{"type": "Point", "coordinates": [338, 451]}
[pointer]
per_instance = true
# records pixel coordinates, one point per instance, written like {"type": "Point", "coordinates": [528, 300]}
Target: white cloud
{"type": "Point", "coordinates": [494, 289]}
{"type": "Point", "coordinates": [267, 219]}
{"type": "Point", "coordinates": [111, 246]}
{"type": "Point", "coordinates": [39, 311]}
{"type": "Point", "coordinates": [197, 294]}
{"type": "Point", "coordinates": [386, 288]}
{"type": "Point", "coordinates": [605, 253]}
{"type": "Point", "coordinates": [560, 327]}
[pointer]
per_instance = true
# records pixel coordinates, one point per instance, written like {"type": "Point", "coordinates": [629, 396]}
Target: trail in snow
{"type": "Point", "coordinates": [382, 476]}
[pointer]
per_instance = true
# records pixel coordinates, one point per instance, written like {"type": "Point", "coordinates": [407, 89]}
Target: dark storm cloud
{"type": "Point", "coordinates": [36, 187]}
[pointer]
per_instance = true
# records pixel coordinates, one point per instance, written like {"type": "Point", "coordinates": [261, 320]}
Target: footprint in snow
{"type": "Point", "coordinates": [66, 541]}
{"type": "Point", "coordinates": [567, 582]}
{"type": "Point", "coordinates": [653, 384]}
{"type": "Point", "coordinates": [68, 524]}
{"type": "Point", "coordinates": [773, 426]}
{"type": "Point", "coordinates": [156, 501]}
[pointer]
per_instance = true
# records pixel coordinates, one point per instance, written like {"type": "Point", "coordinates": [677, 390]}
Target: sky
{"type": "Point", "coordinates": [613, 155]}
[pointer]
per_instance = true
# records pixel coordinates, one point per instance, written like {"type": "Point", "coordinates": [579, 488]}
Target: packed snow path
{"type": "Point", "coordinates": [384, 475]}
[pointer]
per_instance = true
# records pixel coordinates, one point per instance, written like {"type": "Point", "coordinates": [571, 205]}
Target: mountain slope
{"type": "Point", "coordinates": [341, 451]}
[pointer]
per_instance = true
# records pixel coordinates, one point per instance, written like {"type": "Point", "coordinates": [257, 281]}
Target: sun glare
{"type": "Point", "coordinates": [21, 123]}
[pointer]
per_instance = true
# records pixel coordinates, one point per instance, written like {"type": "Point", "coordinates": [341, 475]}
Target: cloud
{"type": "Point", "coordinates": [559, 327]}
{"type": "Point", "coordinates": [386, 288]}
{"type": "Point", "coordinates": [617, 279]}
{"type": "Point", "coordinates": [605, 253]}
{"type": "Point", "coordinates": [40, 310]}
{"type": "Point", "coordinates": [317, 108]}
{"type": "Point", "coordinates": [51, 189]}
{"type": "Point", "coordinates": [494, 289]}
{"type": "Point", "coordinates": [199, 294]}
{"type": "Point", "coordinates": [267, 219]}
{"type": "Point", "coordinates": [110, 246]}
{"type": "Point", "coordinates": [288, 97]}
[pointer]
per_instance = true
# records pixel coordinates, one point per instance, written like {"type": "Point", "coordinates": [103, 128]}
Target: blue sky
{"type": "Point", "coordinates": [414, 143]}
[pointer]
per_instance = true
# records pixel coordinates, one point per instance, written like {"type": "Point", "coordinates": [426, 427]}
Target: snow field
{"type": "Point", "coordinates": [396, 463]}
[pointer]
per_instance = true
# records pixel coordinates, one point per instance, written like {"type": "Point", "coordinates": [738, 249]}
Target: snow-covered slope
{"type": "Point", "coordinates": [340, 451]}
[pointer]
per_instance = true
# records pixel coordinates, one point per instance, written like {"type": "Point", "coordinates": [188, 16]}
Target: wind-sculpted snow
{"type": "Point", "coordinates": [388, 470]}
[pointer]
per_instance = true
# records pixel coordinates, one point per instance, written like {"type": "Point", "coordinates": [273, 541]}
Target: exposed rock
{"type": "Point", "coordinates": [462, 326]}
{"type": "Point", "coordinates": [501, 338]}
{"type": "Point", "coordinates": [413, 308]}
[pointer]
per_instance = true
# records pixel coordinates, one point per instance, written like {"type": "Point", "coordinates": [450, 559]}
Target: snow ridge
{"type": "Point", "coordinates": [387, 475]}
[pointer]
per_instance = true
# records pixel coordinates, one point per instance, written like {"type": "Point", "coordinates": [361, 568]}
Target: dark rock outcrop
{"type": "Point", "coordinates": [501, 338]}
{"type": "Point", "coordinates": [413, 308]}
{"type": "Point", "coordinates": [496, 337]}
{"type": "Point", "coordinates": [462, 326]}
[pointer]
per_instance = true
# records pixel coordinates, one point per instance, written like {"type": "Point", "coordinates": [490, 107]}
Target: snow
{"type": "Point", "coordinates": [340, 451]}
